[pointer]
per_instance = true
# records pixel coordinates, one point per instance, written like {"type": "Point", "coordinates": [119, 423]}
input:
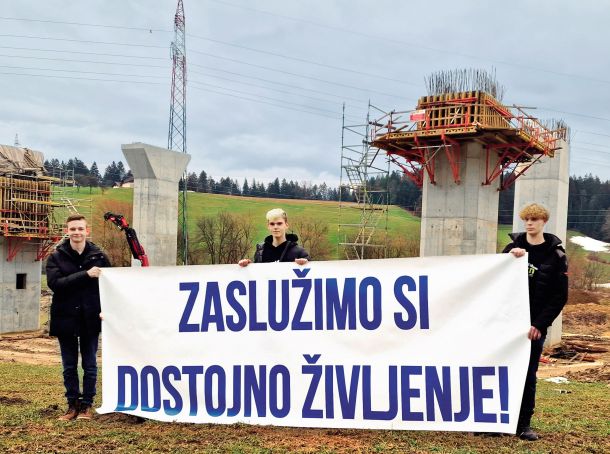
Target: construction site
{"type": "Point", "coordinates": [33, 208]}
{"type": "Point", "coordinates": [462, 146]}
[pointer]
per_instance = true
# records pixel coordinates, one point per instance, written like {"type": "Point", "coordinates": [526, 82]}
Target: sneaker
{"type": "Point", "coordinates": [71, 413]}
{"type": "Point", "coordinates": [526, 433]}
{"type": "Point", "coordinates": [86, 412]}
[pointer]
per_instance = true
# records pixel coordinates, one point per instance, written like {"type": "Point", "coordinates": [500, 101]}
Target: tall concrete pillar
{"type": "Point", "coordinates": [547, 182]}
{"type": "Point", "coordinates": [460, 219]}
{"type": "Point", "coordinates": [156, 173]}
{"type": "Point", "coordinates": [19, 288]}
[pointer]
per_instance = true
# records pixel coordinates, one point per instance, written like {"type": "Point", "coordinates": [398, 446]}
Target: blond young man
{"type": "Point", "coordinates": [280, 246]}
{"type": "Point", "coordinates": [548, 293]}
{"type": "Point", "coordinates": [72, 271]}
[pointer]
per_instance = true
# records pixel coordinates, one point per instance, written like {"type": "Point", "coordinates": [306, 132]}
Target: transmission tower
{"type": "Point", "coordinates": [176, 139]}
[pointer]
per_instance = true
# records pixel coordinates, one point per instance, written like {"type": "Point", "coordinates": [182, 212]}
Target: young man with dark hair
{"type": "Point", "coordinates": [279, 246]}
{"type": "Point", "coordinates": [548, 293]}
{"type": "Point", "coordinates": [73, 270]}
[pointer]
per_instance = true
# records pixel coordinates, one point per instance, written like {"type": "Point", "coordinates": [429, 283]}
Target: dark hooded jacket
{"type": "Point", "coordinates": [288, 251]}
{"type": "Point", "coordinates": [548, 277]}
{"type": "Point", "coordinates": [75, 308]}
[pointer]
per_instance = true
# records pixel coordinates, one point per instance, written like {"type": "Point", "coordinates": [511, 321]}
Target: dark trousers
{"type": "Point", "coordinates": [528, 403]}
{"type": "Point", "coordinates": [69, 347]}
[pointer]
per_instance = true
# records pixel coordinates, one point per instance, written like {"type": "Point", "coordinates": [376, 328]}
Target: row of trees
{"type": "Point", "coordinates": [283, 189]}
{"type": "Point", "coordinates": [588, 202]}
{"type": "Point", "coordinates": [88, 176]}
{"type": "Point", "coordinates": [588, 206]}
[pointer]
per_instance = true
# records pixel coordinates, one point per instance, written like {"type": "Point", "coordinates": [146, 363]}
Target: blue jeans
{"type": "Point", "coordinates": [69, 347]}
{"type": "Point", "coordinates": [528, 402]}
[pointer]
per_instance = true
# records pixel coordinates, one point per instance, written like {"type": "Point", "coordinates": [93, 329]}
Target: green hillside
{"type": "Point", "coordinates": [400, 222]}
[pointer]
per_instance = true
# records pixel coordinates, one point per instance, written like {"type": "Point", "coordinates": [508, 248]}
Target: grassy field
{"type": "Point", "coordinates": [400, 223]}
{"type": "Point", "coordinates": [31, 397]}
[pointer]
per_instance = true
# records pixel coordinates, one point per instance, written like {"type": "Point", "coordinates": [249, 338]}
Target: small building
{"type": "Point", "coordinates": [27, 234]}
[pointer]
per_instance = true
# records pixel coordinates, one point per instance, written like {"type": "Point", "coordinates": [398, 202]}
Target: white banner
{"type": "Point", "coordinates": [435, 343]}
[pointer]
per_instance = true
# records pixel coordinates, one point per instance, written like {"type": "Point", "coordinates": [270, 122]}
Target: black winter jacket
{"type": "Point", "coordinates": [291, 252]}
{"type": "Point", "coordinates": [548, 278]}
{"type": "Point", "coordinates": [76, 296]}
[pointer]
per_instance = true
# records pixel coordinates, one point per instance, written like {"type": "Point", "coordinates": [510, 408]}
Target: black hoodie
{"type": "Point", "coordinates": [288, 251]}
{"type": "Point", "coordinates": [548, 277]}
{"type": "Point", "coordinates": [76, 300]}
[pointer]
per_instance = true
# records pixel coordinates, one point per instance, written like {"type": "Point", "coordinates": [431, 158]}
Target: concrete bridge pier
{"type": "Point", "coordinates": [460, 219]}
{"type": "Point", "coordinates": [156, 172]}
{"type": "Point", "coordinates": [547, 182]}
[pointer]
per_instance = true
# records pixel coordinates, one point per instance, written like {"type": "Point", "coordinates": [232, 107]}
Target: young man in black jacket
{"type": "Point", "coordinates": [72, 274]}
{"type": "Point", "coordinates": [548, 293]}
{"type": "Point", "coordinates": [279, 246]}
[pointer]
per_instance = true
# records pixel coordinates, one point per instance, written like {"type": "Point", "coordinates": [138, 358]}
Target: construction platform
{"type": "Point", "coordinates": [27, 203]}
{"type": "Point", "coordinates": [414, 139]}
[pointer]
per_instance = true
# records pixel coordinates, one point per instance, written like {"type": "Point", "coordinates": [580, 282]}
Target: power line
{"type": "Point", "coordinates": [386, 39]}
{"type": "Point", "coordinates": [209, 68]}
{"type": "Point", "coordinates": [266, 97]}
{"type": "Point", "coordinates": [137, 75]}
{"type": "Point", "coordinates": [116, 27]}
{"type": "Point", "coordinates": [71, 60]}
{"type": "Point", "coordinates": [84, 53]}
{"type": "Point", "coordinates": [109, 43]}
{"type": "Point", "coordinates": [159, 66]}
{"type": "Point", "coordinates": [264, 87]}
{"type": "Point", "coordinates": [83, 78]}
{"type": "Point", "coordinates": [302, 60]}
{"type": "Point", "coordinates": [254, 65]}
{"type": "Point", "coordinates": [82, 72]}
{"type": "Point", "coordinates": [267, 103]}
{"type": "Point", "coordinates": [275, 70]}
{"type": "Point", "coordinates": [209, 55]}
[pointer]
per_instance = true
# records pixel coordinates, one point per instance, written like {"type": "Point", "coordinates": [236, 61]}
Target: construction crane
{"type": "Point", "coordinates": [132, 239]}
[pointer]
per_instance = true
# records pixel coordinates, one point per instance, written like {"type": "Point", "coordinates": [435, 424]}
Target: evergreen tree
{"type": "Point", "coordinates": [273, 189]}
{"type": "Point", "coordinates": [120, 168]}
{"type": "Point", "coordinates": [94, 175]}
{"type": "Point", "coordinates": [191, 181]}
{"type": "Point", "coordinates": [202, 182]}
{"type": "Point", "coordinates": [111, 175]}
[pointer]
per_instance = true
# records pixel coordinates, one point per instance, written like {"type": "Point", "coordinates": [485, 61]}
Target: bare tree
{"type": "Point", "coordinates": [606, 226]}
{"type": "Point", "coordinates": [107, 236]}
{"type": "Point", "coordinates": [396, 247]}
{"type": "Point", "coordinates": [313, 236]}
{"type": "Point", "coordinates": [224, 238]}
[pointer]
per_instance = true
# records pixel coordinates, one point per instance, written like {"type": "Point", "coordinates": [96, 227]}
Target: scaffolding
{"type": "Point", "coordinates": [513, 139]}
{"type": "Point", "coordinates": [33, 209]}
{"type": "Point", "coordinates": [361, 199]}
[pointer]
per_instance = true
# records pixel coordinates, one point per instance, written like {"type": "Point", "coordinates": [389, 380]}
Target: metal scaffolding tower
{"type": "Point", "coordinates": [177, 120]}
{"type": "Point", "coordinates": [364, 195]}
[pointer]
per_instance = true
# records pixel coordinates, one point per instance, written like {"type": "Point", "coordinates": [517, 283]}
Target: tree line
{"type": "Point", "coordinates": [588, 201]}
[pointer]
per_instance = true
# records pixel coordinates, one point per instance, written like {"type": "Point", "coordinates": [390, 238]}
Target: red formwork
{"type": "Point", "coordinates": [442, 124]}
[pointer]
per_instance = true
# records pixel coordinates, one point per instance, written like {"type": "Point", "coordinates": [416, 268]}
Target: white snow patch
{"type": "Point", "coordinates": [590, 244]}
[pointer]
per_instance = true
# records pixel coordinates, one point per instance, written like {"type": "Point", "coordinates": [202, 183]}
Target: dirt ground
{"type": "Point", "coordinates": [586, 322]}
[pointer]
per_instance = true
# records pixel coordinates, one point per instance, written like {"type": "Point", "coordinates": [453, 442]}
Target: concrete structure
{"type": "Point", "coordinates": [547, 182]}
{"type": "Point", "coordinates": [156, 172]}
{"type": "Point", "coordinates": [460, 219]}
{"type": "Point", "coordinates": [19, 288]}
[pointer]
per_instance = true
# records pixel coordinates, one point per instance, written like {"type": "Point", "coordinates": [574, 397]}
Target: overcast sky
{"type": "Point", "coordinates": [267, 78]}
